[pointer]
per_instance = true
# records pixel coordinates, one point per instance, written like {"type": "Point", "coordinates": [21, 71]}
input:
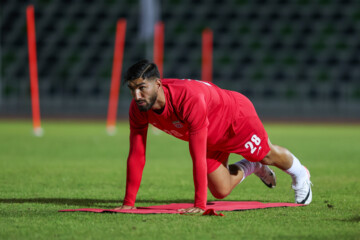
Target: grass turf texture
{"type": "Point", "coordinates": [76, 165]}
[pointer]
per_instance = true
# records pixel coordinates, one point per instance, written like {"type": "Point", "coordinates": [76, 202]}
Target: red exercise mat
{"type": "Point", "coordinates": [173, 207]}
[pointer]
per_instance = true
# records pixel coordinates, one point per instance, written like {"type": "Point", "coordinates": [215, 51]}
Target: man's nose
{"type": "Point", "coordinates": [137, 94]}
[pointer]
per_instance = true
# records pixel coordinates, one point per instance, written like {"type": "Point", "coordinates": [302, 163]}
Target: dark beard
{"type": "Point", "coordinates": [149, 105]}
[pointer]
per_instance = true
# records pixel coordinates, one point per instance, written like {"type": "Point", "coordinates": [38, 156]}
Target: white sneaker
{"type": "Point", "coordinates": [266, 175]}
{"type": "Point", "coordinates": [303, 194]}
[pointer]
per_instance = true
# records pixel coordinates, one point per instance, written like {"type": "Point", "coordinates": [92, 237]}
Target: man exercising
{"type": "Point", "coordinates": [215, 122]}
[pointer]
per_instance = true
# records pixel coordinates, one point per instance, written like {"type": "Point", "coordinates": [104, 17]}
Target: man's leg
{"type": "Point", "coordinates": [282, 158]}
{"type": "Point", "coordinates": [279, 157]}
{"type": "Point", "coordinates": [223, 180]}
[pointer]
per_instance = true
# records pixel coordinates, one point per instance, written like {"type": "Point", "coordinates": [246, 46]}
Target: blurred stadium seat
{"type": "Point", "coordinates": [294, 59]}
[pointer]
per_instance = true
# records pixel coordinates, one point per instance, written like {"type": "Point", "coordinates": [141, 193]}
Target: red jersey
{"type": "Point", "coordinates": [195, 111]}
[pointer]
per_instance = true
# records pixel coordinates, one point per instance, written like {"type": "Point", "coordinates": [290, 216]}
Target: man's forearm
{"type": "Point", "coordinates": [133, 179]}
{"type": "Point", "coordinates": [197, 145]}
{"type": "Point", "coordinates": [135, 165]}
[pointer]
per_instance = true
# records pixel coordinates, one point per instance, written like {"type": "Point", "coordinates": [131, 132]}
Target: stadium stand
{"type": "Point", "coordinates": [295, 59]}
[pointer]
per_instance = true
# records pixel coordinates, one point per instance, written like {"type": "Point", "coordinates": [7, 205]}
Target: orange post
{"type": "Point", "coordinates": [207, 55]}
{"type": "Point", "coordinates": [116, 75]}
{"type": "Point", "coordinates": [34, 86]}
{"type": "Point", "coordinates": [159, 46]}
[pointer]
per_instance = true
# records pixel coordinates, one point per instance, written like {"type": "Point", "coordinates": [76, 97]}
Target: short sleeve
{"type": "Point", "coordinates": [194, 111]}
{"type": "Point", "coordinates": [138, 120]}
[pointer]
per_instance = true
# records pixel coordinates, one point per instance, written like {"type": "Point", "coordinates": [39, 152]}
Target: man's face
{"type": "Point", "coordinates": [144, 92]}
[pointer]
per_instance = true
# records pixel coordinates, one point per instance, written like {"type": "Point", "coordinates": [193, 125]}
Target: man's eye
{"type": "Point", "coordinates": [141, 88]}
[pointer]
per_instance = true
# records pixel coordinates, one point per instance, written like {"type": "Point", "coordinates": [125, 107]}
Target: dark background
{"type": "Point", "coordinates": [296, 60]}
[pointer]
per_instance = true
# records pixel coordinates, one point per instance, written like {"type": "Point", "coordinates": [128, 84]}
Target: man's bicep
{"type": "Point", "coordinates": [195, 111]}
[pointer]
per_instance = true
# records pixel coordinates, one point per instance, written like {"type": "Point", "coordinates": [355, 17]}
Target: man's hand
{"type": "Point", "coordinates": [191, 210]}
{"type": "Point", "coordinates": [124, 207]}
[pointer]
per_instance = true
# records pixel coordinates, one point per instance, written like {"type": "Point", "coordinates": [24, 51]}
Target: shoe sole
{"type": "Point", "coordinates": [307, 200]}
{"type": "Point", "coordinates": [272, 173]}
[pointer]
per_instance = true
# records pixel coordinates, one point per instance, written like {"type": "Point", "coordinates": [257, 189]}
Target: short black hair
{"type": "Point", "coordinates": [142, 69]}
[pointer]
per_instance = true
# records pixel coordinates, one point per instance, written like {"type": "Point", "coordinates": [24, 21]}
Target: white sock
{"type": "Point", "coordinates": [296, 171]}
{"type": "Point", "coordinates": [247, 167]}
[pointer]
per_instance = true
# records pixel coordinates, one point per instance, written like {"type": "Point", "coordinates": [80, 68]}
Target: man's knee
{"type": "Point", "coordinates": [220, 194]}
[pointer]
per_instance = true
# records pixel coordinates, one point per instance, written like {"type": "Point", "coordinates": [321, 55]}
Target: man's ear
{"type": "Point", "coordinates": [158, 83]}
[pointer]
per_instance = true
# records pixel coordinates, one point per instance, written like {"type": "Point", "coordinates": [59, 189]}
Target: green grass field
{"type": "Point", "coordinates": [76, 165]}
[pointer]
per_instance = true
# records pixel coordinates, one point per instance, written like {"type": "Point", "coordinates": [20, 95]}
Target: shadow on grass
{"type": "Point", "coordinates": [355, 219]}
{"type": "Point", "coordinates": [96, 203]}
{"type": "Point", "coordinates": [87, 202]}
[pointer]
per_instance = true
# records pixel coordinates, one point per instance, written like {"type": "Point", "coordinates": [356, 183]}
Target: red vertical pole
{"type": "Point", "coordinates": [159, 46]}
{"type": "Point", "coordinates": [116, 75]}
{"type": "Point", "coordinates": [34, 86]}
{"type": "Point", "coordinates": [207, 55]}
